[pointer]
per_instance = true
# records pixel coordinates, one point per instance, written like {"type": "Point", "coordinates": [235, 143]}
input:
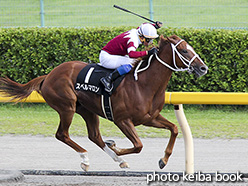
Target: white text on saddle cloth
{"type": "Point", "coordinates": [87, 87]}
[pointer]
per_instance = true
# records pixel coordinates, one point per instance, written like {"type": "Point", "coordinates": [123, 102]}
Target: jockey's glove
{"type": "Point", "coordinates": [158, 24]}
{"type": "Point", "coordinates": [152, 51]}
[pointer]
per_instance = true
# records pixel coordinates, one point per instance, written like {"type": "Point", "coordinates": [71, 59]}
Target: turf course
{"type": "Point", "coordinates": [227, 122]}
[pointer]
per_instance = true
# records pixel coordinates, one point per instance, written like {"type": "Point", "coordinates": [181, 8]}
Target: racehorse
{"type": "Point", "coordinates": [137, 101]}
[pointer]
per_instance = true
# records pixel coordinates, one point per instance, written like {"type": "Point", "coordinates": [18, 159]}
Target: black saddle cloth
{"type": "Point", "coordinates": [89, 79]}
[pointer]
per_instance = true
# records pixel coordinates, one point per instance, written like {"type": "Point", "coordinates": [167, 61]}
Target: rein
{"type": "Point", "coordinates": [137, 70]}
{"type": "Point", "coordinates": [185, 61]}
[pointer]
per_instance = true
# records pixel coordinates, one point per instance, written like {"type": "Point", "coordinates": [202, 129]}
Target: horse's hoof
{"type": "Point", "coordinates": [124, 165]}
{"type": "Point", "coordinates": [85, 167]}
{"type": "Point", "coordinates": [110, 143]}
{"type": "Point", "coordinates": [161, 163]}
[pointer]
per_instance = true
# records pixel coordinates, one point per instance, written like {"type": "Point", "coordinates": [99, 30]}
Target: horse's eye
{"type": "Point", "coordinates": [184, 51]}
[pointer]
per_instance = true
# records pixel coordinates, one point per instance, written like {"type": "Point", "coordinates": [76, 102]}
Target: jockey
{"type": "Point", "coordinates": [120, 53]}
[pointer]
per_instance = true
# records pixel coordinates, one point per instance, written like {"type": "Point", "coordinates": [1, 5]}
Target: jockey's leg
{"type": "Point", "coordinates": [114, 61]}
{"type": "Point", "coordinates": [108, 80]}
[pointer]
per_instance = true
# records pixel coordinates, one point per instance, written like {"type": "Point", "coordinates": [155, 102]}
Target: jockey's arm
{"type": "Point", "coordinates": [137, 54]}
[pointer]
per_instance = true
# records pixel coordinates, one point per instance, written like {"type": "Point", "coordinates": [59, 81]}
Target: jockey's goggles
{"type": "Point", "coordinates": [148, 40]}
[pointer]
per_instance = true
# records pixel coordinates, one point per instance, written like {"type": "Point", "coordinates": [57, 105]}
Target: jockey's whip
{"type": "Point", "coordinates": [123, 9]}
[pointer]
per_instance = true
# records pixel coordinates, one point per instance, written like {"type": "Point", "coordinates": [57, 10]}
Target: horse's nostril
{"type": "Point", "coordinates": [203, 68]}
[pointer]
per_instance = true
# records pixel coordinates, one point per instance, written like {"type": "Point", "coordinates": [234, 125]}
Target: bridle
{"type": "Point", "coordinates": [185, 61]}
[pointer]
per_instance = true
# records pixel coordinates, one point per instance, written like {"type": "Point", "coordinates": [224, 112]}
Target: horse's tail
{"type": "Point", "coordinates": [19, 91]}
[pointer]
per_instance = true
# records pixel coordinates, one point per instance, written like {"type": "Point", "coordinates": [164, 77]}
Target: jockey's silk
{"type": "Point", "coordinates": [125, 44]}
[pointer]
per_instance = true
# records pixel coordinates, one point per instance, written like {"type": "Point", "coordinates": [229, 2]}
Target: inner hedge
{"type": "Point", "coordinates": [26, 53]}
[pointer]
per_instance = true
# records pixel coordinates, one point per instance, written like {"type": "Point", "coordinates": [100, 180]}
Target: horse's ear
{"type": "Point", "coordinates": [161, 37]}
{"type": "Point", "coordinates": [173, 39]}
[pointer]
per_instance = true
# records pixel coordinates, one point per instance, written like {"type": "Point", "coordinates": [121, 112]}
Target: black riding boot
{"type": "Point", "coordinates": [107, 81]}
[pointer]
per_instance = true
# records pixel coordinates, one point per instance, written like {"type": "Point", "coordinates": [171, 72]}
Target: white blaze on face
{"type": "Point", "coordinates": [195, 55]}
{"type": "Point", "coordinates": [190, 48]}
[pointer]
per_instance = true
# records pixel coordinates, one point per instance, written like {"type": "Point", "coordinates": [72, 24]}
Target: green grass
{"type": "Point", "coordinates": [205, 122]}
{"type": "Point", "coordinates": [174, 13]}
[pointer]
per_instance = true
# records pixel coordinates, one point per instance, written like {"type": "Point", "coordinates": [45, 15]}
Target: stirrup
{"type": "Point", "coordinates": [108, 85]}
{"type": "Point", "coordinates": [108, 89]}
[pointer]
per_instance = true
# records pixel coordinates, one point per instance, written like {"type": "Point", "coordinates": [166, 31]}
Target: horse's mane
{"type": "Point", "coordinates": [161, 43]}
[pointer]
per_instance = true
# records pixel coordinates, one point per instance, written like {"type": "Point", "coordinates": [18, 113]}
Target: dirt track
{"type": "Point", "coordinates": [46, 153]}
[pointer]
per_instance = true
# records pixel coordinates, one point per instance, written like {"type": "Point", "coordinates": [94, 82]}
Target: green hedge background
{"type": "Point", "coordinates": [26, 53]}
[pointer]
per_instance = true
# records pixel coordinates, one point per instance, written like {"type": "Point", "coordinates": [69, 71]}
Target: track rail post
{"type": "Point", "coordinates": [188, 140]}
{"type": "Point", "coordinates": [42, 24]}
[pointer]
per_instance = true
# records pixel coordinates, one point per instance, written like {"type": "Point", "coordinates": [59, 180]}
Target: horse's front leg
{"type": "Point", "coordinates": [127, 127]}
{"type": "Point", "coordinates": [161, 122]}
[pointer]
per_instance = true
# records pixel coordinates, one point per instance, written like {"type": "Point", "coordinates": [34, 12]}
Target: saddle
{"type": "Point", "coordinates": [89, 79]}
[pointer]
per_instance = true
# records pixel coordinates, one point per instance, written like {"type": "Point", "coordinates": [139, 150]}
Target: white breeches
{"type": "Point", "coordinates": [113, 61]}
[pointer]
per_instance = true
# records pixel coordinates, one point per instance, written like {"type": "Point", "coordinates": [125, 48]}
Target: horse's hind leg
{"type": "Point", "coordinates": [92, 123]}
{"type": "Point", "coordinates": [62, 134]}
{"type": "Point", "coordinates": [64, 102]}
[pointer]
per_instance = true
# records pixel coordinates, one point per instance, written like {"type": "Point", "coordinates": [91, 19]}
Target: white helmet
{"type": "Point", "coordinates": [148, 31]}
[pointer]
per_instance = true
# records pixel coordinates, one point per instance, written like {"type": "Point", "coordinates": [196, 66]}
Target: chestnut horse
{"type": "Point", "coordinates": [137, 101]}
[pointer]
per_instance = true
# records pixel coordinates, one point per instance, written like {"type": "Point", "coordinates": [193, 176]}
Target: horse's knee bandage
{"type": "Point", "coordinates": [112, 154]}
{"type": "Point", "coordinates": [85, 158]}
